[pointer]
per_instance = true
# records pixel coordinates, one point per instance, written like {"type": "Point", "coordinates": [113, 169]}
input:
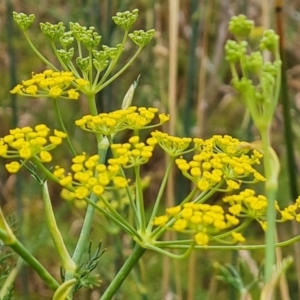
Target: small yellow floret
{"type": "Point", "coordinates": [180, 225]}
{"type": "Point", "coordinates": [98, 190]}
{"type": "Point", "coordinates": [13, 167]}
{"type": "Point", "coordinates": [160, 221]}
{"type": "Point", "coordinates": [238, 237]}
{"type": "Point", "coordinates": [45, 156]}
{"type": "Point", "coordinates": [173, 210]}
{"type": "Point", "coordinates": [201, 239]}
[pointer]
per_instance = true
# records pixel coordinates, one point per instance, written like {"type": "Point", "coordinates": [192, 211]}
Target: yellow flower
{"type": "Point", "coordinates": [45, 156]}
{"type": "Point", "coordinates": [55, 92]}
{"type": "Point", "coordinates": [28, 142]}
{"type": "Point", "coordinates": [17, 89]}
{"type": "Point", "coordinates": [51, 84]}
{"type": "Point", "coordinates": [173, 210]}
{"type": "Point", "coordinates": [160, 221]}
{"type": "Point", "coordinates": [180, 225]}
{"type": "Point", "coordinates": [13, 167]}
{"type": "Point", "coordinates": [238, 237]}
{"type": "Point", "coordinates": [72, 94]}
{"type": "Point", "coordinates": [98, 190]}
{"type": "Point", "coordinates": [201, 238]}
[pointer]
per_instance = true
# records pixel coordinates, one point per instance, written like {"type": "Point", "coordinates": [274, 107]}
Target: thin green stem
{"type": "Point", "coordinates": [132, 260]}
{"type": "Point", "coordinates": [88, 220]}
{"type": "Point", "coordinates": [116, 217]}
{"type": "Point", "coordinates": [57, 238]}
{"type": "Point", "coordinates": [62, 126]}
{"type": "Point", "coordinates": [19, 248]}
{"type": "Point", "coordinates": [271, 190]}
{"type": "Point", "coordinates": [160, 193]}
{"type": "Point", "coordinates": [58, 56]}
{"type": "Point", "coordinates": [184, 244]}
{"type": "Point", "coordinates": [140, 208]}
{"type": "Point", "coordinates": [100, 87]}
{"type": "Point", "coordinates": [207, 195]}
{"type": "Point", "coordinates": [47, 62]}
{"type": "Point", "coordinates": [113, 62]}
{"type": "Point", "coordinates": [46, 171]}
{"type": "Point", "coordinates": [131, 200]}
{"type": "Point", "coordinates": [237, 229]}
{"type": "Point", "coordinates": [185, 254]}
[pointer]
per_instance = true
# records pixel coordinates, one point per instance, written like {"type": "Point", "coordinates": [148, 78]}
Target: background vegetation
{"type": "Point", "coordinates": [183, 72]}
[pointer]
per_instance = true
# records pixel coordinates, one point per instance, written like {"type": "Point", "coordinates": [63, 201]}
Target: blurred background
{"type": "Point", "coordinates": [182, 72]}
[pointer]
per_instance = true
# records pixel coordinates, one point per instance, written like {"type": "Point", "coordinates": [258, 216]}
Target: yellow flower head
{"type": "Point", "coordinates": [88, 176]}
{"type": "Point", "coordinates": [51, 84]}
{"type": "Point", "coordinates": [111, 123]}
{"type": "Point", "coordinates": [131, 154]}
{"type": "Point", "coordinates": [220, 160]}
{"type": "Point", "coordinates": [204, 221]}
{"type": "Point", "coordinates": [28, 142]}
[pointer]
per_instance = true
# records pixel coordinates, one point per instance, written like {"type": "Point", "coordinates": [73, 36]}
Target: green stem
{"type": "Point", "coordinates": [185, 244]}
{"type": "Point", "coordinates": [88, 220]}
{"type": "Point", "coordinates": [132, 260]}
{"type": "Point", "coordinates": [160, 193]}
{"type": "Point", "coordinates": [139, 201]}
{"type": "Point", "coordinates": [62, 126]}
{"type": "Point", "coordinates": [116, 218]}
{"type": "Point", "coordinates": [87, 224]}
{"type": "Point", "coordinates": [85, 231]}
{"type": "Point", "coordinates": [18, 247]}
{"type": "Point", "coordinates": [58, 241]}
{"type": "Point", "coordinates": [237, 229]}
{"type": "Point", "coordinates": [112, 64]}
{"type": "Point", "coordinates": [47, 62]}
{"type": "Point", "coordinates": [271, 190]}
{"type": "Point", "coordinates": [100, 87]}
{"type": "Point", "coordinates": [92, 105]}
{"type": "Point", "coordinates": [58, 56]}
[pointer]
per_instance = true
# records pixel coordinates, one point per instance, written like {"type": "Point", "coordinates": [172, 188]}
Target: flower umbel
{"type": "Point", "coordinates": [111, 123]}
{"type": "Point", "coordinates": [203, 221]}
{"type": "Point", "coordinates": [221, 159]}
{"type": "Point", "coordinates": [51, 84]}
{"type": "Point", "coordinates": [26, 142]}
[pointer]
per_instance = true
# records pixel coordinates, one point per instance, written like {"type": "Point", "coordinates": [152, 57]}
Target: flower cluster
{"type": "Point", "coordinates": [204, 221]}
{"type": "Point", "coordinates": [133, 153]}
{"type": "Point", "coordinates": [27, 142]}
{"type": "Point", "coordinates": [111, 123]}
{"type": "Point", "coordinates": [246, 204]}
{"type": "Point", "coordinates": [221, 159]}
{"type": "Point", "coordinates": [88, 176]}
{"type": "Point", "coordinates": [172, 145]}
{"type": "Point", "coordinates": [291, 212]}
{"type": "Point", "coordinates": [51, 84]}
{"type": "Point", "coordinates": [256, 80]}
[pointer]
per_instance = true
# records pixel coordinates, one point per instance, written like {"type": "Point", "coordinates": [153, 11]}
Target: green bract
{"type": "Point", "coordinates": [260, 98]}
{"type": "Point", "coordinates": [22, 20]}
{"type": "Point", "coordinates": [240, 26]}
{"type": "Point", "coordinates": [66, 39]}
{"type": "Point", "coordinates": [254, 62]}
{"type": "Point", "coordinates": [235, 50]}
{"type": "Point", "coordinates": [126, 19]}
{"type": "Point", "coordinates": [269, 41]}
{"type": "Point", "coordinates": [66, 56]}
{"type": "Point", "coordinates": [142, 38]}
{"type": "Point", "coordinates": [53, 31]}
